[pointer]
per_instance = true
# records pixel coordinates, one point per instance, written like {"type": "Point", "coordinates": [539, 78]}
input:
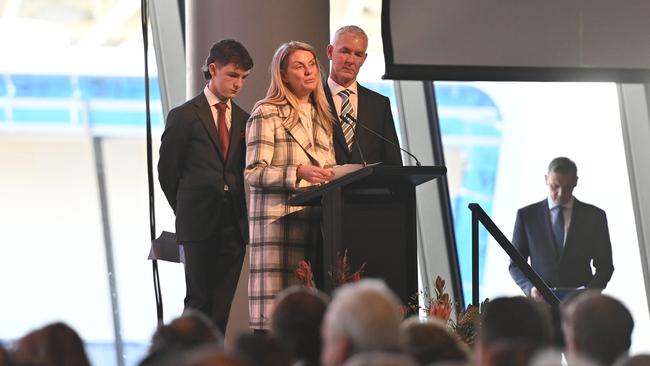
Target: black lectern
{"type": "Point", "coordinates": [371, 212]}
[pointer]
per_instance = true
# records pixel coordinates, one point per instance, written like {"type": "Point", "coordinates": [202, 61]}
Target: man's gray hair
{"type": "Point", "coordinates": [353, 29]}
{"type": "Point", "coordinates": [366, 313]}
{"type": "Point", "coordinates": [562, 165]}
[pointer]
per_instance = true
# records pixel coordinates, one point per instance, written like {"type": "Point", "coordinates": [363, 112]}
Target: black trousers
{"type": "Point", "coordinates": [212, 271]}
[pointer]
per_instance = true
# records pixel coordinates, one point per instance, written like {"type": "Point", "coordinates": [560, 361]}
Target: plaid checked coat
{"type": "Point", "coordinates": [276, 143]}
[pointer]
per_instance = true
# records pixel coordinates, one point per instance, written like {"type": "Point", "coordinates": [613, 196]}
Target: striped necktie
{"type": "Point", "coordinates": [346, 108]}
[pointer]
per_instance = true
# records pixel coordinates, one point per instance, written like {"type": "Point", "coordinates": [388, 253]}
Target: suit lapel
{"type": "Point", "coordinates": [545, 217]}
{"type": "Point", "coordinates": [237, 125]}
{"type": "Point", "coordinates": [321, 141]}
{"type": "Point", "coordinates": [205, 116]}
{"type": "Point", "coordinates": [296, 130]}
{"type": "Point", "coordinates": [362, 116]}
{"type": "Point", "coordinates": [574, 224]}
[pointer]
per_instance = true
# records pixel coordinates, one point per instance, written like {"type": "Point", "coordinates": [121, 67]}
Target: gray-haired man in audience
{"type": "Point", "coordinates": [362, 317]}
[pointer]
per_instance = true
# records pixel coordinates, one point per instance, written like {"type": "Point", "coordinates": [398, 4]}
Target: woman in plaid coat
{"type": "Point", "coordinates": [288, 146]}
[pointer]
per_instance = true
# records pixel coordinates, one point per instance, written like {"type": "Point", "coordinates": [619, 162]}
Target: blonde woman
{"type": "Point", "coordinates": [289, 146]}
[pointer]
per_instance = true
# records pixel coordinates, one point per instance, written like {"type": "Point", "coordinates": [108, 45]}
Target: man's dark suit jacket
{"type": "Point", "coordinates": [373, 111]}
{"type": "Point", "coordinates": [587, 239]}
{"type": "Point", "coordinates": [193, 174]}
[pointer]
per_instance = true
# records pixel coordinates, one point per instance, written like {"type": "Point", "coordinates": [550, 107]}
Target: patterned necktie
{"type": "Point", "coordinates": [224, 135]}
{"type": "Point", "coordinates": [346, 108]}
{"type": "Point", "coordinates": [558, 228]}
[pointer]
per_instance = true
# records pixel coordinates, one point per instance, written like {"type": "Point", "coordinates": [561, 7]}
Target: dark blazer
{"type": "Point", "coordinates": [587, 240]}
{"type": "Point", "coordinates": [374, 112]}
{"type": "Point", "coordinates": [193, 174]}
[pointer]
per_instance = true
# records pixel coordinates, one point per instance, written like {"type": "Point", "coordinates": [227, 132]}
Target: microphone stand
{"type": "Point", "coordinates": [350, 118]}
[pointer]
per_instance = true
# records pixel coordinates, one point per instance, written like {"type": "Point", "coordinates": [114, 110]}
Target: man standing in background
{"type": "Point", "coordinates": [562, 236]}
{"type": "Point", "coordinates": [201, 172]}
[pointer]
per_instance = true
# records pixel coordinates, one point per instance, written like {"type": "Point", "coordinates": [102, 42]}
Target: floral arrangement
{"type": "Point", "coordinates": [305, 274]}
{"type": "Point", "coordinates": [440, 307]}
{"type": "Point", "coordinates": [340, 274]}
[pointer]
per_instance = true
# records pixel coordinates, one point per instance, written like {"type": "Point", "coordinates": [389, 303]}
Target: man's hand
{"type": "Point", "coordinates": [535, 294]}
{"type": "Point", "coordinates": [314, 174]}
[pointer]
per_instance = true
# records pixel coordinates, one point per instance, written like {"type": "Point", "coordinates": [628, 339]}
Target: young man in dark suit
{"type": "Point", "coordinates": [370, 109]}
{"type": "Point", "coordinates": [202, 157]}
{"type": "Point", "coordinates": [562, 236]}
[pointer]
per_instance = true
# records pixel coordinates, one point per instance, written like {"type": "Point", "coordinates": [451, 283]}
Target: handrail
{"type": "Point", "coordinates": [479, 215]}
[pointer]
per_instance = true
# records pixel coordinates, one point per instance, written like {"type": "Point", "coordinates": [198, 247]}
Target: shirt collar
{"type": "Point", "coordinates": [552, 204]}
{"type": "Point", "coordinates": [213, 99]}
{"type": "Point", "coordinates": [335, 88]}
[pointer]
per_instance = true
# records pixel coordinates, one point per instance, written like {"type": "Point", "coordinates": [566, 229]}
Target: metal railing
{"type": "Point", "coordinates": [479, 215]}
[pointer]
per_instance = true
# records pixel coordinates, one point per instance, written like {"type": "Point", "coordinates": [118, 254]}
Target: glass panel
{"type": "Point", "coordinates": [90, 86]}
{"type": "Point", "coordinates": [498, 140]}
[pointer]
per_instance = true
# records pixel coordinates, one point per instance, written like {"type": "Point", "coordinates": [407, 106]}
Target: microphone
{"type": "Point", "coordinates": [350, 117]}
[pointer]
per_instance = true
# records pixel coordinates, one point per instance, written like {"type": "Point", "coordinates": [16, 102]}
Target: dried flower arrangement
{"type": "Point", "coordinates": [340, 274]}
{"type": "Point", "coordinates": [440, 306]}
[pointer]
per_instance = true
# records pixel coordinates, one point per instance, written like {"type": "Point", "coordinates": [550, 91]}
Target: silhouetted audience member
{"type": "Point", "coordinates": [380, 359]}
{"type": "Point", "coordinates": [56, 344]}
{"type": "Point", "coordinates": [553, 357]}
{"type": "Point", "coordinates": [296, 323]}
{"type": "Point", "coordinates": [597, 327]}
{"type": "Point", "coordinates": [513, 319]}
{"type": "Point", "coordinates": [362, 317]}
{"type": "Point", "coordinates": [260, 350]}
{"type": "Point", "coordinates": [430, 341]}
{"type": "Point", "coordinates": [206, 355]}
{"type": "Point", "coordinates": [636, 360]}
{"type": "Point", "coordinates": [509, 353]}
{"type": "Point", "coordinates": [4, 356]}
{"type": "Point", "coordinates": [186, 332]}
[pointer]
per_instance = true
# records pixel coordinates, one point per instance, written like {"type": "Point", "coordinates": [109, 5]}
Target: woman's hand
{"type": "Point", "coordinates": [314, 174]}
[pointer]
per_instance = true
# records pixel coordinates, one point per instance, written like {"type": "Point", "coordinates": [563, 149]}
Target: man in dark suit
{"type": "Point", "coordinates": [202, 158]}
{"type": "Point", "coordinates": [562, 236]}
{"type": "Point", "coordinates": [345, 96]}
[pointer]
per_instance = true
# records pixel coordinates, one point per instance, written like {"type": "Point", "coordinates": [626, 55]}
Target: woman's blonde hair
{"type": "Point", "coordinates": [280, 94]}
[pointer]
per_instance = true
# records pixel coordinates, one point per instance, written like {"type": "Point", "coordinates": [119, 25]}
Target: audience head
{"type": "Point", "coordinates": [553, 357]}
{"type": "Point", "coordinates": [509, 353]}
{"type": "Point", "coordinates": [636, 360]}
{"type": "Point", "coordinates": [296, 322]}
{"type": "Point", "coordinates": [430, 341]}
{"type": "Point", "coordinates": [296, 75]}
{"type": "Point", "coordinates": [561, 179]}
{"type": "Point", "coordinates": [190, 330]}
{"type": "Point", "coordinates": [256, 350]}
{"type": "Point", "coordinates": [378, 358]}
{"type": "Point", "coordinates": [513, 319]}
{"type": "Point", "coordinates": [206, 355]}
{"type": "Point", "coordinates": [4, 356]}
{"type": "Point", "coordinates": [56, 344]}
{"type": "Point", "coordinates": [363, 316]}
{"type": "Point", "coordinates": [347, 53]}
{"type": "Point", "coordinates": [598, 327]}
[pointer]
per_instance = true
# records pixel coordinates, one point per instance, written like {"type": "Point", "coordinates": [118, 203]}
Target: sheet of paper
{"type": "Point", "coordinates": [164, 248]}
{"type": "Point", "coordinates": [345, 169]}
